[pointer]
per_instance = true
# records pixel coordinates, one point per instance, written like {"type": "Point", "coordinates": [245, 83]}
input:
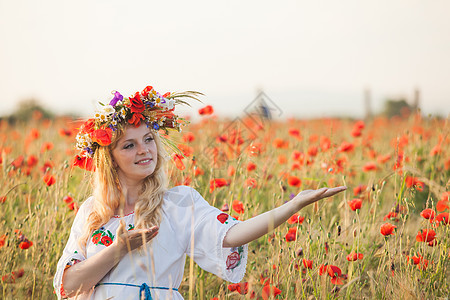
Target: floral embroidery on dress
{"type": "Point", "coordinates": [223, 217]}
{"type": "Point", "coordinates": [130, 227]}
{"type": "Point", "coordinates": [234, 259]}
{"type": "Point", "coordinates": [102, 237]}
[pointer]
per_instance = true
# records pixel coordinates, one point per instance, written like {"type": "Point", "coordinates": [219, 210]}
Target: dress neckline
{"type": "Point", "coordinates": [118, 216]}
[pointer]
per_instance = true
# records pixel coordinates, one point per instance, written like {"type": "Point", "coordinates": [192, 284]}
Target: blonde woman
{"type": "Point", "coordinates": [130, 239]}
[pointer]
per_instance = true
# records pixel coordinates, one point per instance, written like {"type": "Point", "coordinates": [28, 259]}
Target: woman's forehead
{"type": "Point", "coordinates": [131, 132]}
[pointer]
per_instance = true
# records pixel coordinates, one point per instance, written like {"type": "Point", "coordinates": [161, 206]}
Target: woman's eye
{"type": "Point", "coordinates": [149, 139]}
{"type": "Point", "coordinates": [128, 146]}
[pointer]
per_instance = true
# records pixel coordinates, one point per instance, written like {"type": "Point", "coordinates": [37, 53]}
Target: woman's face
{"type": "Point", "coordinates": [135, 155]}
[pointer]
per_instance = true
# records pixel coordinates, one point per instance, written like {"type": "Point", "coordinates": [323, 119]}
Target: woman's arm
{"type": "Point", "coordinates": [251, 229]}
{"type": "Point", "coordinates": [81, 277]}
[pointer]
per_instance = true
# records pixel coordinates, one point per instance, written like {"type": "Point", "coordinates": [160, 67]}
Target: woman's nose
{"type": "Point", "coordinates": [142, 149]}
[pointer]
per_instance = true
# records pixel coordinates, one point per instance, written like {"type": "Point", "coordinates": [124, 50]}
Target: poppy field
{"type": "Point", "coordinates": [387, 236]}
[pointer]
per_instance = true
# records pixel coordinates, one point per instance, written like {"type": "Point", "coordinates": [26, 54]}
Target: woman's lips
{"type": "Point", "coordinates": [144, 161]}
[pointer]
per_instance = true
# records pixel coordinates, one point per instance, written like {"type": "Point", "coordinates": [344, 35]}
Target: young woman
{"type": "Point", "coordinates": [130, 239]}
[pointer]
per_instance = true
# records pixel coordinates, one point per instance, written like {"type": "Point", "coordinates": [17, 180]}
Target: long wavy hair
{"type": "Point", "coordinates": [108, 193]}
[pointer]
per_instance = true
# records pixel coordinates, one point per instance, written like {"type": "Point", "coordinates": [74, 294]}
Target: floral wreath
{"type": "Point", "coordinates": [148, 106]}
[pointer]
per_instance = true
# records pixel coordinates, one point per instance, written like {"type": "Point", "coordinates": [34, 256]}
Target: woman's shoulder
{"type": "Point", "coordinates": [181, 195]}
{"type": "Point", "coordinates": [86, 206]}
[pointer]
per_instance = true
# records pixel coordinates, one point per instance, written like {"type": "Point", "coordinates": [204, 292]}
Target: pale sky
{"type": "Point", "coordinates": [312, 58]}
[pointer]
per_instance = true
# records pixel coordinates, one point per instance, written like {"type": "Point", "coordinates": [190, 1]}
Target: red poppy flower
{"type": "Point", "coordinates": [370, 166]}
{"type": "Point", "coordinates": [297, 155]}
{"type": "Point", "coordinates": [291, 235]}
{"type": "Point", "coordinates": [188, 137]}
{"type": "Point", "coordinates": [251, 166]}
{"type": "Point", "coordinates": [49, 179]}
{"type": "Point", "coordinates": [280, 143]}
{"type": "Point", "coordinates": [187, 150]}
{"type": "Point", "coordinates": [207, 110]}
{"type": "Point", "coordinates": [68, 199]}
{"type": "Point", "coordinates": [242, 288]}
{"type": "Point", "coordinates": [217, 182]}
{"type": "Point", "coordinates": [294, 181]}
{"type": "Point", "coordinates": [415, 259]}
{"type": "Point", "coordinates": [65, 132]}
{"type": "Point", "coordinates": [359, 189]}
{"type": "Point", "coordinates": [136, 105]}
{"type": "Point", "coordinates": [102, 136]}
{"type": "Point", "coordinates": [322, 269]}
{"type": "Point", "coordinates": [391, 216]}
{"type": "Point", "coordinates": [443, 203]}
{"type": "Point", "coordinates": [34, 134]}
{"type": "Point", "coordinates": [356, 132]}
{"type": "Point", "coordinates": [106, 240]}
{"type": "Point", "coordinates": [387, 229]}
{"type": "Point", "coordinates": [136, 119]}
{"type": "Point", "coordinates": [25, 244]}
{"type": "Point", "coordinates": [269, 290]}
{"type": "Point", "coordinates": [383, 158]}
{"type": "Point", "coordinates": [325, 143]}
{"type": "Point", "coordinates": [238, 206]}
{"type": "Point", "coordinates": [282, 159]}
{"type": "Point", "coordinates": [308, 264]}
{"type": "Point", "coordinates": [296, 219]}
{"type": "Point", "coordinates": [18, 162]}
{"type": "Point", "coordinates": [251, 182]}
{"type": "Point", "coordinates": [84, 162]}
{"type": "Point", "coordinates": [355, 204]}
{"type": "Point", "coordinates": [346, 147]}
{"type": "Point", "coordinates": [72, 205]}
{"type": "Point", "coordinates": [359, 125]}
{"type": "Point", "coordinates": [335, 274]}
{"type": "Point", "coordinates": [428, 213]}
{"type": "Point", "coordinates": [146, 91]}
{"type": "Point", "coordinates": [198, 171]}
{"type": "Point", "coordinates": [294, 132]}
{"type": "Point", "coordinates": [46, 147]}
{"type": "Point", "coordinates": [443, 218]}
{"type": "Point", "coordinates": [414, 182]}
{"type": "Point", "coordinates": [177, 158]}
{"type": "Point", "coordinates": [2, 240]}
{"type": "Point", "coordinates": [32, 161]}
{"type": "Point", "coordinates": [2, 199]}
{"type": "Point", "coordinates": [88, 126]}
{"type": "Point", "coordinates": [231, 171]}
{"type": "Point", "coordinates": [426, 235]}
{"type": "Point", "coordinates": [354, 256]}
{"type": "Point", "coordinates": [312, 151]}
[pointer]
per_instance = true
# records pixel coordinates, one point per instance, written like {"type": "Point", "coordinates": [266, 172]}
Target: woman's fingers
{"type": "Point", "coordinates": [333, 191]}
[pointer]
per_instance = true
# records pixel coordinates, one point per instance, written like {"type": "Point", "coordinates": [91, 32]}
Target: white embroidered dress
{"type": "Point", "coordinates": [186, 218]}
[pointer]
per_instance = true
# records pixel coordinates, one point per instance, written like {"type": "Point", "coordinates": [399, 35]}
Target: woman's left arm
{"type": "Point", "coordinates": [251, 229]}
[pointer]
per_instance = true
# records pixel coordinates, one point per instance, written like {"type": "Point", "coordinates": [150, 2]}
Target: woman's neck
{"type": "Point", "coordinates": [131, 194]}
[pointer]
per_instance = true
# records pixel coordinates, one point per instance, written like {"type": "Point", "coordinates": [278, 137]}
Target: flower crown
{"type": "Point", "coordinates": [148, 106]}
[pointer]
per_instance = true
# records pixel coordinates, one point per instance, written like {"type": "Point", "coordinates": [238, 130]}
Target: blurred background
{"type": "Point", "coordinates": [313, 59]}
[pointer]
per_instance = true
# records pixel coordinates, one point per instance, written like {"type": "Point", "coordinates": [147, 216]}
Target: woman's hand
{"type": "Point", "coordinates": [129, 240]}
{"type": "Point", "coordinates": [307, 197]}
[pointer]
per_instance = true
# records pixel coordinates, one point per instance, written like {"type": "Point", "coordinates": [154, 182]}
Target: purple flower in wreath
{"type": "Point", "coordinates": [117, 97]}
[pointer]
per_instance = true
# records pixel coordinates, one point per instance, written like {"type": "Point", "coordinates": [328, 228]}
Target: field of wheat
{"type": "Point", "coordinates": [385, 237]}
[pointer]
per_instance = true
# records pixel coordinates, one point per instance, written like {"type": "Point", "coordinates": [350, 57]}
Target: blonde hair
{"type": "Point", "coordinates": [108, 193]}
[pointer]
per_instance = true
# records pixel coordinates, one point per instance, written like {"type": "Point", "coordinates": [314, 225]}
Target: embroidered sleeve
{"type": "Point", "coordinates": [210, 227]}
{"type": "Point", "coordinates": [72, 253]}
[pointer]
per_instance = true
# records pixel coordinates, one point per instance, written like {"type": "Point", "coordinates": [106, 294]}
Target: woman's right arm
{"type": "Point", "coordinates": [81, 277]}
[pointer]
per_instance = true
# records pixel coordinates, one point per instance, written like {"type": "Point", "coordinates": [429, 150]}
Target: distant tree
{"type": "Point", "coordinates": [27, 110]}
{"type": "Point", "coordinates": [397, 108]}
